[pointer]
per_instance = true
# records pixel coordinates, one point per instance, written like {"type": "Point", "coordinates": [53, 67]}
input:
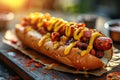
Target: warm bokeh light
{"type": "Point", "coordinates": [13, 4]}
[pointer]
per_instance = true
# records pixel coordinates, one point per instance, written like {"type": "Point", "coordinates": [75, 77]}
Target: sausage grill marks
{"type": "Point", "coordinates": [69, 33]}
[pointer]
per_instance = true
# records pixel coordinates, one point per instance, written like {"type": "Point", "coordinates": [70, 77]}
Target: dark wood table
{"type": "Point", "coordinates": [7, 72]}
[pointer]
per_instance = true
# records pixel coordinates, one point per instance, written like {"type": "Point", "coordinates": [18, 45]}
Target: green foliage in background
{"type": "Point", "coordinates": [82, 6]}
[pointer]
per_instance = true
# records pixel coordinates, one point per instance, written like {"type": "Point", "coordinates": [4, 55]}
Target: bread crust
{"type": "Point", "coordinates": [73, 59]}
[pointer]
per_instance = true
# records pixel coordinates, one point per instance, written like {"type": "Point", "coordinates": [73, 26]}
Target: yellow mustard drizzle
{"type": "Point", "coordinates": [68, 28]}
{"type": "Point", "coordinates": [58, 25]}
{"type": "Point", "coordinates": [90, 46]}
{"type": "Point", "coordinates": [78, 34]}
{"type": "Point", "coordinates": [51, 23]}
{"type": "Point", "coordinates": [68, 31]}
{"type": "Point", "coordinates": [71, 24]}
{"type": "Point", "coordinates": [41, 22]}
{"type": "Point", "coordinates": [28, 29]}
{"type": "Point", "coordinates": [35, 16]}
{"type": "Point", "coordinates": [40, 43]}
{"type": "Point", "coordinates": [56, 45]}
{"type": "Point", "coordinates": [68, 48]}
{"type": "Point", "coordinates": [55, 24]}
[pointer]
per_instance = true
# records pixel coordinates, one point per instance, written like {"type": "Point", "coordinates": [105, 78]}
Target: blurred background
{"type": "Point", "coordinates": [101, 7]}
{"type": "Point", "coordinates": [92, 12]}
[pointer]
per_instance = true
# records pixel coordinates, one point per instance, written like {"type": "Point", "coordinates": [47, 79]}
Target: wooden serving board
{"type": "Point", "coordinates": [17, 61]}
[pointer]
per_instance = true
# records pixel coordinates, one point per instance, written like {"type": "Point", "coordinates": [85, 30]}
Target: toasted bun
{"type": "Point", "coordinates": [87, 62]}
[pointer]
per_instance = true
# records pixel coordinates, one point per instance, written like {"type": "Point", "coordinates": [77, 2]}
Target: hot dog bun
{"type": "Point", "coordinates": [32, 37]}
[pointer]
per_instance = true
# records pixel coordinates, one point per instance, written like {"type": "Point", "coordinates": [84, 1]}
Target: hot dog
{"type": "Point", "coordinates": [70, 43]}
